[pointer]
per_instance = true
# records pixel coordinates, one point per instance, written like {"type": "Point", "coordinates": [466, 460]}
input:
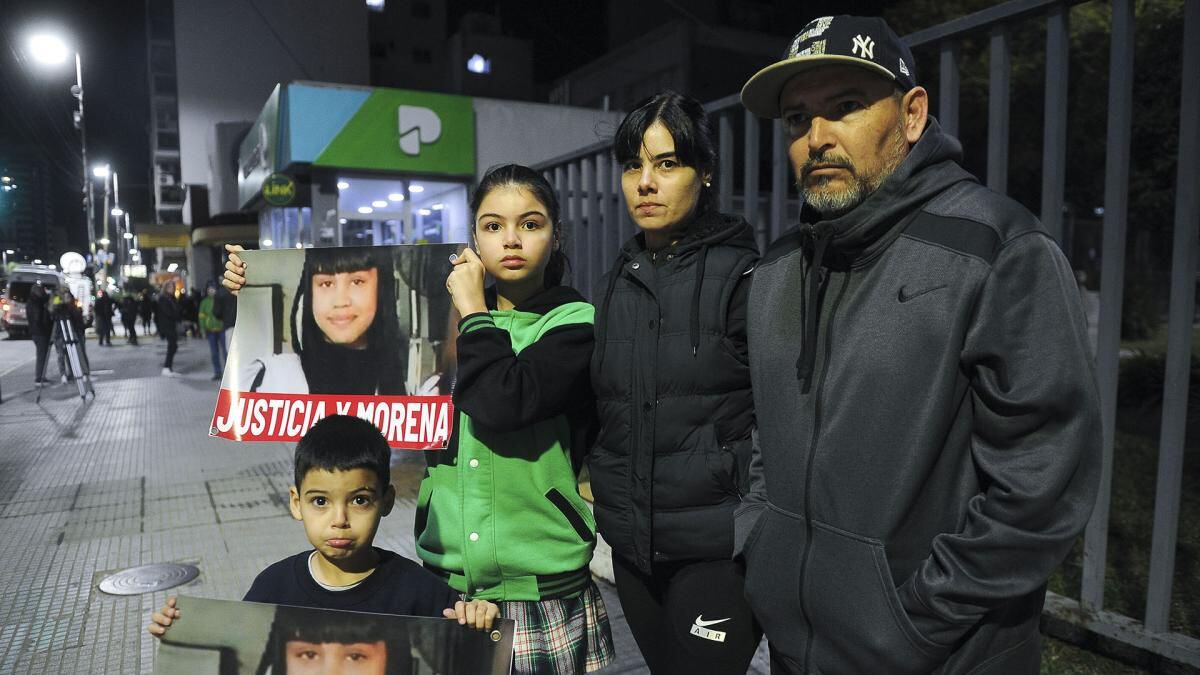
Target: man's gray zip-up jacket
{"type": "Point", "coordinates": [928, 429]}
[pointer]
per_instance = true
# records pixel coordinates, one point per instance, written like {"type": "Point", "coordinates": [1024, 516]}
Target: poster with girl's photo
{"type": "Point", "coordinates": [363, 331]}
{"type": "Point", "coordinates": [222, 637]}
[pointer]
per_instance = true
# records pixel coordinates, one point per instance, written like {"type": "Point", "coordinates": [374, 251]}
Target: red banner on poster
{"type": "Point", "coordinates": [407, 422]}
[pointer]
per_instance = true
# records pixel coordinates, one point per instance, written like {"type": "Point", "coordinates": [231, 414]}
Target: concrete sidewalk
{"type": "Point", "coordinates": [131, 478]}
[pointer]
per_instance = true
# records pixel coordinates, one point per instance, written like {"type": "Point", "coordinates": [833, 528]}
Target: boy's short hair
{"type": "Point", "coordinates": [343, 443]}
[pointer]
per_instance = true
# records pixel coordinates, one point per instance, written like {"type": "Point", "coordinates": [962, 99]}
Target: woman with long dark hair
{"type": "Point", "coordinates": [672, 382]}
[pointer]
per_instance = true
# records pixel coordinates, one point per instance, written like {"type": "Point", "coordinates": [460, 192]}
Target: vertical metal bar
{"type": "Point", "coordinates": [590, 229]}
{"type": "Point", "coordinates": [560, 188]}
{"type": "Point", "coordinates": [725, 137]}
{"type": "Point", "coordinates": [779, 174]}
{"type": "Point", "coordinates": [750, 182]}
{"type": "Point", "coordinates": [611, 227]}
{"type": "Point", "coordinates": [948, 79]}
{"type": "Point", "coordinates": [575, 212]}
{"type": "Point", "coordinates": [1054, 134]}
{"type": "Point", "coordinates": [1112, 283]}
{"type": "Point", "coordinates": [999, 73]}
{"type": "Point", "coordinates": [1179, 331]}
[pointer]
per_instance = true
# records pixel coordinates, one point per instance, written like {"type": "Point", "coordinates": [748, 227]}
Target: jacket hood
{"type": "Point", "coordinates": [932, 164]}
{"type": "Point", "coordinates": [862, 234]}
{"type": "Point", "coordinates": [710, 229]}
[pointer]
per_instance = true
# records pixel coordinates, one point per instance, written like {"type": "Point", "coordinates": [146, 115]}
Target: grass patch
{"type": "Point", "coordinates": [1061, 658]}
{"type": "Point", "coordinates": [1131, 525]}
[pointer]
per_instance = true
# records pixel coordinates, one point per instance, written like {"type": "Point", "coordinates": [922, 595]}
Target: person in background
{"type": "Point", "coordinates": [188, 314]}
{"type": "Point", "coordinates": [225, 309]}
{"type": "Point", "coordinates": [146, 311]}
{"type": "Point", "coordinates": [40, 328]}
{"type": "Point", "coordinates": [166, 311]}
{"type": "Point", "coordinates": [213, 329]}
{"type": "Point", "coordinates": [129, 317]}
{"type": "Point", "coordinates": [104, 310]}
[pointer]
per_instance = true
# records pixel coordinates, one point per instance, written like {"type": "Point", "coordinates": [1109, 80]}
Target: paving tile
{"type": "Point", "coordinates": [169, 490]}
{"type": "Point", "coordinates": [167, 514]}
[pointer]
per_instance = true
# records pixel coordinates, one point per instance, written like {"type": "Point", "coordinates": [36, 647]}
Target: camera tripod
{"type": "Point", "coordinates": [68, 343]}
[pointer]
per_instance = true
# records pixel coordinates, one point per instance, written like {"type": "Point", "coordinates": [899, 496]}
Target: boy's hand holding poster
{"type": "Point", "coordinates": [222, 637]}
{"type": "Point", "coordinates": [363, 331]}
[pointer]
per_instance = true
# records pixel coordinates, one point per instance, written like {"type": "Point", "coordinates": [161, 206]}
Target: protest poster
{"type": "Point", "coordinates": [364, 331]}
{"type": "Point", "coordinates": [223, 637]}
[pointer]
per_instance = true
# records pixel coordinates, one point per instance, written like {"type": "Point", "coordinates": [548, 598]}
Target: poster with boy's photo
{"type": "Point", "coordinates": [223, 637]}
{"type": "Point", "coordinates": [364, 331]}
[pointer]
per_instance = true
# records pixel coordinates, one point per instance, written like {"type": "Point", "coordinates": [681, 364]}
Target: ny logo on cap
{"type": "Point", "coordinates": [864, 47]}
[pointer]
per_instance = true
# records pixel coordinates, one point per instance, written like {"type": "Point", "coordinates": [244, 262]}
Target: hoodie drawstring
{"type": "Point", "coordinates": [695, 318]}
{"type": "Point", "coordinates": [601, 321]}
{"type": "Point", "coordinates": [808, 356]}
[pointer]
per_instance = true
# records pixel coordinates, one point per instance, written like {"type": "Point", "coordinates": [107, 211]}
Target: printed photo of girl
{"type": "Point", "coordinates": [353, 320]}
{"type": "Point", "coordinates": [344, 325]}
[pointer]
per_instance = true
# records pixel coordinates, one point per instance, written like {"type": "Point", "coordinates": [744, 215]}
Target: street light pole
{"type": "Point", "coordinates": [77, 90]}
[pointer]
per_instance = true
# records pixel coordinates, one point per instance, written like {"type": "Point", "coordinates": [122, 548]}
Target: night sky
{"type": "Point", "coordinates": [36, 104]}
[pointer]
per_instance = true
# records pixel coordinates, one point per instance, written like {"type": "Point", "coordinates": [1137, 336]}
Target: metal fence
{"type": "Point", "coordinates": [598, 223]}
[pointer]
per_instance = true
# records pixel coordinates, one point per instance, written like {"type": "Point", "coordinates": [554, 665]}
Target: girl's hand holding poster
{"type": "Point", "coordinates": [363, 331]}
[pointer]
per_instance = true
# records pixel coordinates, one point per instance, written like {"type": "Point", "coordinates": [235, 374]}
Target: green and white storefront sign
{"type": "Point", "coordinates": [349, 128]}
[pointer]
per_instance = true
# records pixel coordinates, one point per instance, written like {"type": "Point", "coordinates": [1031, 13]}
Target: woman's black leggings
{"type": "Point", "coordinates": [689, 617]}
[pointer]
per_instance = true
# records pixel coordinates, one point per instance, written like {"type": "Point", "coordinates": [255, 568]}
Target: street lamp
{"type": "Point", "coordinates": [52, 50]}
{"type": "Point", "coordinates": [7, 252]}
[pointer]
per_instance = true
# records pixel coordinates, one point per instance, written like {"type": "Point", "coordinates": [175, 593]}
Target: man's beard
{"type": "Point", "coordinates": [834, 203]}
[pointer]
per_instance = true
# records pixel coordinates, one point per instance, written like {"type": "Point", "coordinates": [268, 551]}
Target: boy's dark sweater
{"type": "Point", "coordinates": [397, 586]}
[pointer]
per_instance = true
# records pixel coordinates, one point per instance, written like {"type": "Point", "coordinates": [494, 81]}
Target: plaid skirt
{"type": "Point", "coordinates": [564, 636]}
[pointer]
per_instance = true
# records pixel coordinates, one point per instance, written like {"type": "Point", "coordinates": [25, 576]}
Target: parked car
{"type": "Point", "coordinates": [16, 294]}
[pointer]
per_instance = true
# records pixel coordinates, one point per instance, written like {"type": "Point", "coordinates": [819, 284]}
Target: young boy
{"type": "Point", "coordinates": [343, 487]}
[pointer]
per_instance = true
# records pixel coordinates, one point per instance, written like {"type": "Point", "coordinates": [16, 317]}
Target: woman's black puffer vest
{"type": "Point", "coordinates": [672, 384]}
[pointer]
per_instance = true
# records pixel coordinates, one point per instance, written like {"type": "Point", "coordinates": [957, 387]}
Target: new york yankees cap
{"type": "Point", "coordinates": [865, 41]}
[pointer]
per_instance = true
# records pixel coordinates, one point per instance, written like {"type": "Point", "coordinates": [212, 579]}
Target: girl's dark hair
{"type": "Point", "coordinates": [516, 175]}
{"type": "Point", "coordinates": [312, 625]}
{"type": "Point", "coordinates": [343, 443]}
{"type": "Point", "coordinates": [685, 118]}
{"type": "Point", "coordinates": [335, 369]}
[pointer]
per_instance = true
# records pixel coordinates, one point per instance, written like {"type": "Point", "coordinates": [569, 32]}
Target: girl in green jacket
{"type": "Point", "coordinates": [499, 513]}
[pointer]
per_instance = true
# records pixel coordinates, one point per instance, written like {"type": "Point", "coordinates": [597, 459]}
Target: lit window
{"type": "Point", "coordinates": [479, 65]}
{"type": "Point", "coordinates": [375, 5]}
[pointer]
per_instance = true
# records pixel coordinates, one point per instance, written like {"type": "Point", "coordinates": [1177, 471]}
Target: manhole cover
{"type": "Point", "coordinates": [148, 578]}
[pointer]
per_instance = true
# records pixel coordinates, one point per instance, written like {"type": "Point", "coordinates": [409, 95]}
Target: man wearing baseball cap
{"type": "Point", "coordinates": [928, 420]}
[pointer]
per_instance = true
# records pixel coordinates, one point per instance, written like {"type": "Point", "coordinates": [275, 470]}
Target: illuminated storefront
{"type": "Point", "coordinates": [332, 165]}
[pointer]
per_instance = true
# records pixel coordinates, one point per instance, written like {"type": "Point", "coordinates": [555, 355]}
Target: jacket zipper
{"type": "Point", "coordinates": [812, 453]}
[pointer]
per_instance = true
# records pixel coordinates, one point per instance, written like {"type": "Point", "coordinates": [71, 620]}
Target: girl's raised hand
{"type": "Point", "coordinates": [465, 283]}
{"type": "Point", "coordinates": [235, 270]}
